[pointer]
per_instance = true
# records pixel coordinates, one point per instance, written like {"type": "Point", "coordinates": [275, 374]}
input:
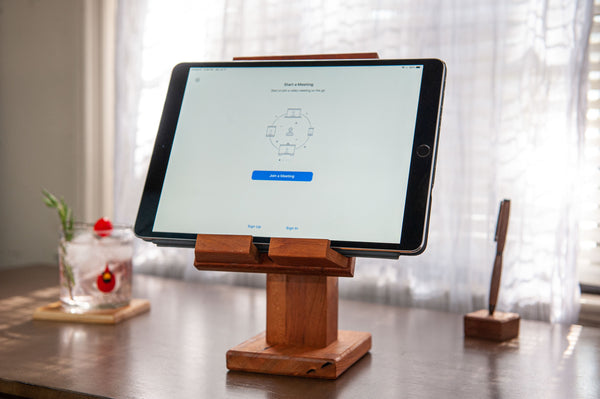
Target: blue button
{"type": "Point", "coordinates": [279, 175]}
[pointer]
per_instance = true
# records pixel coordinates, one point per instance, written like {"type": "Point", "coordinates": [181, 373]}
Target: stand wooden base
{"type": "Point", "coordinates": [256, 355]}
{"type": "Point", "coordinates": [498, 327]}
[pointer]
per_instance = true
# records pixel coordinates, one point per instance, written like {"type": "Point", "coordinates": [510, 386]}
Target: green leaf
{"type": "Point", "coordinates": [64, 213]}
{"type": "Point", "coordinates": [50, 199]}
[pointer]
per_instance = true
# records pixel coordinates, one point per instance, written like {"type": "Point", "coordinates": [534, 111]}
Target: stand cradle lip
{"type": "Point", "coordinates": [237, 253]}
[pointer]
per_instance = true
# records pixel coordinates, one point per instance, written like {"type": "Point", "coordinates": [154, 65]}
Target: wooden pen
{"type": "Point", "coordinates": [500, 238]}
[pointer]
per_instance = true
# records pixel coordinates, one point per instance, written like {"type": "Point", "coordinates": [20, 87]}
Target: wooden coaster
{"type": "Point", "coordinates": [498, 327]}
{"type": "Point", "coordinates": [55, 312]}
{"type": "Point", "coordinates": [257, 356]}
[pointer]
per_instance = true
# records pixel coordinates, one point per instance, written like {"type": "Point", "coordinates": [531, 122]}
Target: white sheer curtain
{"type": "Point", "coordinates": [512, 128]}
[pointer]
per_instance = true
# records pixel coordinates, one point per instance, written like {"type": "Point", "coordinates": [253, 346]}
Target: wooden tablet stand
{"type": "Point", "coordinates": [302, 337]}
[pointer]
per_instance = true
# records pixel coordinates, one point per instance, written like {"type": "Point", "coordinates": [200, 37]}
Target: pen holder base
{"type": "Point", "coordinates": [500, 326]}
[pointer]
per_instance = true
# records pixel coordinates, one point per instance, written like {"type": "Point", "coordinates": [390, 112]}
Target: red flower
{"type": "Point", "coordinates": [103, 227]}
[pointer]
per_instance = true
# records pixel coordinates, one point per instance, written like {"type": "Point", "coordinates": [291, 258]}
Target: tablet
{"type": "Point", "coordinates": [342, 150]}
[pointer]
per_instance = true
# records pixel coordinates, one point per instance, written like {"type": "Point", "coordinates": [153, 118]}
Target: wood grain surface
{"type": "Point", "coordinates": [225, 249]}
{"type": "Point", "coordinates": [302, 310]}
{"type": "Point", "coordinates": [177, 350]}
{"type": "Point", "coordinates": [306, 252]}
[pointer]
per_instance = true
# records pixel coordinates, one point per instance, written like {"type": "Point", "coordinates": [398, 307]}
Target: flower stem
{"type": "Point", "coordinates": [66, 222]}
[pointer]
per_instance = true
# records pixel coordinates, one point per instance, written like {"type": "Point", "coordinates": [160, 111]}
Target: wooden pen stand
{"type": "Point", "coordinates": [302, 337]}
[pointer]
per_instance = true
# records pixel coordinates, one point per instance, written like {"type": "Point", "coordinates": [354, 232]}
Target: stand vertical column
{"type": "Point", "coordinates": [302, 310]}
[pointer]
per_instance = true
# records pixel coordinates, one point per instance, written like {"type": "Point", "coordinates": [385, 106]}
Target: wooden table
{"type": "Point", "coordinates": [177, 350]}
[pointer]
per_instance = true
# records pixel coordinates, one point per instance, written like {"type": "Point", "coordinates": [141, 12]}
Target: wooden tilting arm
{"type": "Point", "coordinates": [286, 255]}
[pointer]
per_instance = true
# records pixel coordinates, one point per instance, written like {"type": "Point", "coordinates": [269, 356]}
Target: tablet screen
{"type": "Point", "coordinates": [296, 149]}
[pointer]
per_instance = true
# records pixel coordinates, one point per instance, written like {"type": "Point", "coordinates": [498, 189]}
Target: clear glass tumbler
{"type": "Point", "coordinates": [95, 268]}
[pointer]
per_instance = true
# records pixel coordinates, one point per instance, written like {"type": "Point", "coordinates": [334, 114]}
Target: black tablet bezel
{"type": "Point", "coordinates": [421, 175]}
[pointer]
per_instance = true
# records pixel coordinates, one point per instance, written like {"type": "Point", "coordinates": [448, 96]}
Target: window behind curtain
{"type": "Point", "coordinates": [510, 128]}
{"type": "Point", "coordinates": [589, 254]}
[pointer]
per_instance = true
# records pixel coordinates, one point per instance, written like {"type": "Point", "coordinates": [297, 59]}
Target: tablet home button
{"type": "Point", "coordinates": [423, 150]}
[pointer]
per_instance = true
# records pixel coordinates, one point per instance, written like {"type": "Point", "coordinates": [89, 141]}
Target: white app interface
{"type": "Point", "coordinates": [312, 152]}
